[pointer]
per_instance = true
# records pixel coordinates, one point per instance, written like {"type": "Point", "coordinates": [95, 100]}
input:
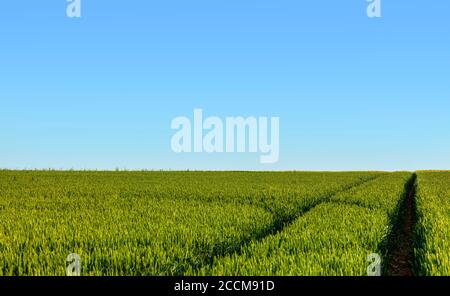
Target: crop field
{"type": "Point", "coordinates": [223, 223]}
{"type": "Point", "coordinates": [433, 224]}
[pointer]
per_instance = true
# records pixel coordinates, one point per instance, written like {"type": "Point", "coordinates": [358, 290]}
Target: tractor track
{"type": "Point", "coordinates": [280, 224]}
{"type": "Point", "coordinates": [402, 239]}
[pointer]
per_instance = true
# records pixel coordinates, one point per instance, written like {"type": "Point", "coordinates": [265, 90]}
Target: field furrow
{"type": "Point", "coordinates": [334, 238]}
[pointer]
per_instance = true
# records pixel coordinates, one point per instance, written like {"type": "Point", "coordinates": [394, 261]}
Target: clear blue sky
{"type": "Point", "coordinates": [352, 93]}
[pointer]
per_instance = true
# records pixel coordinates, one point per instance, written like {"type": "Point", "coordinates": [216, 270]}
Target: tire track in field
{"type": "Point", "coordinates": [398, 247]}
{"type": "Point", "coordinates": [281, 222]}
{"type": "Point", "coordinates": [401, 241]}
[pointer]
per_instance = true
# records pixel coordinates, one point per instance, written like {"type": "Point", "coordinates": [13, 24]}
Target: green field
{"type": "Point", "coordinates": [219, 223]}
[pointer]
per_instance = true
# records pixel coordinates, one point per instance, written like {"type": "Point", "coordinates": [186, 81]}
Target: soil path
{"type": "Point", "coordinates": [403, 254]}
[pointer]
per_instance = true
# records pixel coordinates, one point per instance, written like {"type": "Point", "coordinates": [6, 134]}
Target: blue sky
{"type": "Point", "coordinates": [352, 93]}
